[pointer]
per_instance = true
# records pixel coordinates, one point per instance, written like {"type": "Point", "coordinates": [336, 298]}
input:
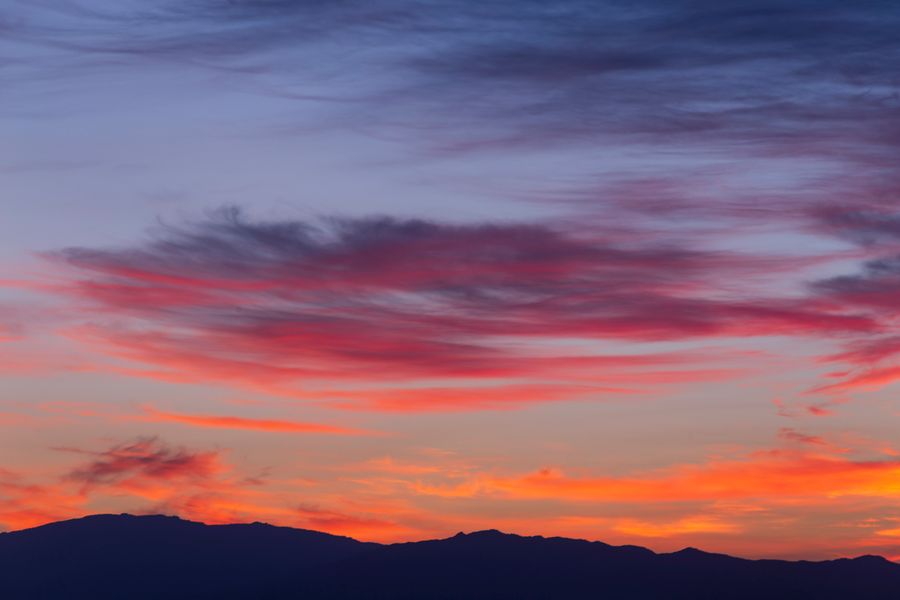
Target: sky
{"type": "Point", "coordinates": [394, 269]}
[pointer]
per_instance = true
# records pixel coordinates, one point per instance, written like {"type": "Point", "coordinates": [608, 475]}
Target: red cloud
{"type": "Point", "coordinates": [867, 379]}
{"type": "Point", "coordinates": [360, 527]}
{"type": "Point", "coordinates": [26, 504]}
{"type": "Point", "coordinates": [274, 305]}
{"type": "Point", "coordinates": [228, 422]}
{"type": "Point", "coordinates": [144, 460]}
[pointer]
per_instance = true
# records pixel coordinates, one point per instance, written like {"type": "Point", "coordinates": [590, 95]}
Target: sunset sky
{"type": "Point", "coordinates": [625, 271]}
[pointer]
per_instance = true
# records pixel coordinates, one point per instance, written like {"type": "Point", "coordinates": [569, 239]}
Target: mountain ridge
{"type": "Point", "coordinates": [154, 556]}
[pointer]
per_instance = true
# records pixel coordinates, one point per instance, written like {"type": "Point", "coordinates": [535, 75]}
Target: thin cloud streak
{"type": "Point", "coordinates": [776, 476]}
{"type": "Point", "coordinates": [231, 422]}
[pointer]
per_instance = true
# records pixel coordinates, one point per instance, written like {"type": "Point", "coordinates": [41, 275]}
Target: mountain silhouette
{"type": "Point", "coordinates": [142, 557]}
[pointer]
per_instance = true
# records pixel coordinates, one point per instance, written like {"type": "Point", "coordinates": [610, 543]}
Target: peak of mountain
{"type": "Point", "coordinates": [872, 559]}
{"type": "Point", "coordinates": [142, 557]}
{"type": "Point", "coordinates": [689, 551]}
{"type": "Point", "coordinates": [489, 533]}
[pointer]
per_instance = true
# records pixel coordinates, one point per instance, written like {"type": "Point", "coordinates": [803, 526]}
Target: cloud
{"type": "Point", "coordinates": [866, 225]}
{"type": "Point", "coordinates": [145, 476]}
{"type": "Point", "coordinates": [868, 351]}
{"type": "Point", "coordinates": [360, 527]}
{"type": "Point", "coordinates": [770, 476]}
{"type": "Point", "coordinates": [24, 503]}
{"type": "Point", "coordinates": [874, 289]}
{"type": "Point", "coordinates": [679, 527]}
{"type": "Point", "coordinates": [792, 435]}
{"type": "Point", "coordinates": [146, 470]}
{"type": "Point", "coordinates": [877, 287]}
{"type": "Point", "coordinates": [148, 476]}
{"type": "Point", "coordinates": [12, 327]}
{"type": "Point", "coordinates": [808, 75]}
{"type": "Point", "coordinates": [728, 123]}
{"type": "Point", "coordinates": [744, 501]}
{"type": "Point", "coordinates": [462, 398]}
{"type": "Point", "coordinates": [386, 300]}
{"type": "Point", "coordinates": [862, 380]}
{"type": "Point", "coordinates": [145, 459]}
{"type": "Point", "coordinates": [230, 422]}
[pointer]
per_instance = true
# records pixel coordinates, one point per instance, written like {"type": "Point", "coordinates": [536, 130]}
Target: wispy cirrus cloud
{"type": "Point", "coordinates": [875, 288]}
{"type": "Point", "coordinates": [384, 300]}
{"type": "Point", "coordinates": [525, 72]}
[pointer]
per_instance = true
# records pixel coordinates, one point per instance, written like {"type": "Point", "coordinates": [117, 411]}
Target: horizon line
{"type": "Point", "coordinates": [448, 537]}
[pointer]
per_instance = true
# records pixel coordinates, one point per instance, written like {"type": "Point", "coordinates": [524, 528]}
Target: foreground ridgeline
{"type": "Point", "coordinates": [123, 556]}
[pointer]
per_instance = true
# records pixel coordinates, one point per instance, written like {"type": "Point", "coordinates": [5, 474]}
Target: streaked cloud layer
{"type": "Point", "coordinates": [399, 268]}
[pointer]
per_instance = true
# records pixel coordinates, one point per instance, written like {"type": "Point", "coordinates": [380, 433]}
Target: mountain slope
{"type": "Point", "coordinates": [122, 556]}
{"type": "Point", "coordinates": [490, 564]}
